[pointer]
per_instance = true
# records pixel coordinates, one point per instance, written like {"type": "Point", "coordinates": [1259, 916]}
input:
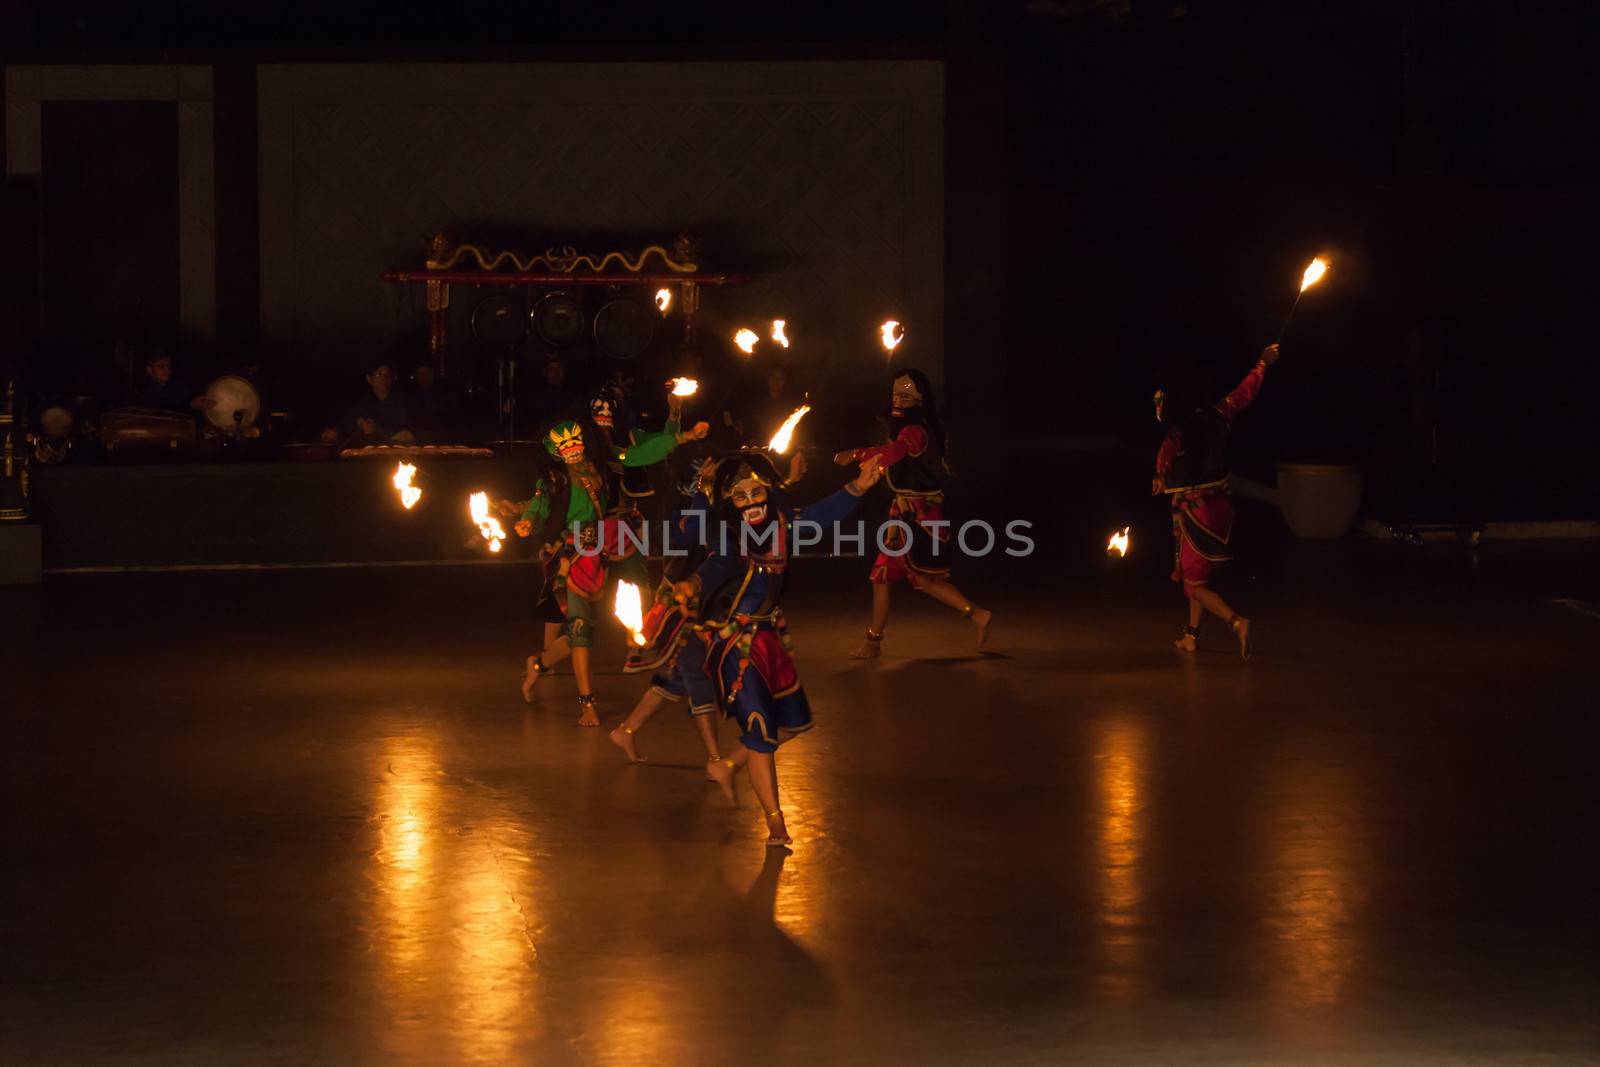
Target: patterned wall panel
{"type": "Point", "coordinates": [825, 179]}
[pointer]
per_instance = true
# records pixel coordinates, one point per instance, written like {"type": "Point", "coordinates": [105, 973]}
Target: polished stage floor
{"type": "Point", "coordinates": [305, 818]}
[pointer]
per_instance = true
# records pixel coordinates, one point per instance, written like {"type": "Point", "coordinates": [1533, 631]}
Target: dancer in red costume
{"type": "Point", "coordinates": [914, 468]}
{"type": "Point", "coordinates": [1192, 468]}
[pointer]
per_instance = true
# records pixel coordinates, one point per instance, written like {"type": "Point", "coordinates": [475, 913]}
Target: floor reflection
{"type": "Point", "coordinates": [1120, 768]}
{"type": "Point", "coordinates": [494, 956]}
{"type": "Point", "coordinates": [1317, 877]}
{"type": "Point", "coordinates": [456, 959]}
{"type": "Point", "coordinates": [406, 806]}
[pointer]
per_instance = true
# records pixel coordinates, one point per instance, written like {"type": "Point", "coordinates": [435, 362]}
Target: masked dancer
{"type": "Point", "coordinates": [568, 512]}
{"type": "Point", "coordinates": [737, 594]}
{"type": "Point", "coordinates": [915, 471]}
{"type": "Point", "coordinates": [1192, 468]}
{"type": "Point", "coordinates": [678, 644]}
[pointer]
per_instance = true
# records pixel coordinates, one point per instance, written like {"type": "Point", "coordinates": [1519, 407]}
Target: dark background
{"type": "Point", "coordinates": [1126, 183]}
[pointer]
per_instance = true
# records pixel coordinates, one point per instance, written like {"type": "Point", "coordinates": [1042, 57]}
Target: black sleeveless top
{"type": "Point", "coordinates": [1202, 456]}
{"type": "Point", "coordinates": [920, 473]}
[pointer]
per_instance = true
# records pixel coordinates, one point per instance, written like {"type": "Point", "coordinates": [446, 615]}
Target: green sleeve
{"type": "Point", "coordinates": [538, 509]}
{"type": "Point", "coordinates": [648, 448]}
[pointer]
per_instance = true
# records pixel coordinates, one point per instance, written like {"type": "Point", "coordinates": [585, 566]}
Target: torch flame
{"type": "Point", "coordinates": [780, 440]}
{"type": "Point", "coordinates": [663, 300]}
{"type": "Point", "coordinates": [1118, 543]}
{"type": "Point", "coordinates": [488, 525]}
{"type": "Point", "coordinates": [1313, 274]}
{"type": "Point", "coordinates": [746, 340]}
{"type": "Point", "coordinates": [891, 333]}
{"type": "Point", "coordinates": [777, 332]}
{"type": "Point", "coordinates": [685, 387]}
{"type": "Point", "coordinates": [404, 473]}
{"type": "Point", "coordinates": [630, 611]}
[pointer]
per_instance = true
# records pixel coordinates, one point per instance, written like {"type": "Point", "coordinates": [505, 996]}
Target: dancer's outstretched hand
{"type": "Point", "coordinates": [871, 471]}
{"type": "Point", "coordinates": [797, 467]}
{"type": "Point", "coordinates": [845, 458]}
{"type": "Point", "coordinates": [1269, 355]}
{"type": "Point", "coordinates": [684, 593]}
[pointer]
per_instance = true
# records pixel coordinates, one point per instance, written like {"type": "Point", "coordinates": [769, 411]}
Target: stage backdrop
{"type": "Point", "coordinates": [825, 179]}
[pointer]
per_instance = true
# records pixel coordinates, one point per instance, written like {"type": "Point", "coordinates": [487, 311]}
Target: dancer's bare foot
{"type": "Point", "coordinates": [1241, 630]}
{"type": "Point", "coordinates": [588, 717]}
{"type": "Point", "coordinates": [777, 833]}
{"type": "Point", "coordinates": [530, 677]}
{"type": "Point", "coordinates": [709, 776]}
{"type": "Point", "coordinates": [871, 647]}
{"type": "Point", "coordinates": [981, 619]}
{"type": "Point", "coordinates": [622, 737]}
{"type": "Point", "coordinates": [1185, 643]}
{"type": "Point", "coordinates": [722, 772]}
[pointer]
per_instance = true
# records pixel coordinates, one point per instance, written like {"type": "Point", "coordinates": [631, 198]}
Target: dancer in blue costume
{"type": "Point", "coordinates": [737, 594]}
{"type": "Point", "coordinates": [678, 645]}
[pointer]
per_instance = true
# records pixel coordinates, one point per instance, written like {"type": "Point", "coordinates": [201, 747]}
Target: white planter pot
{"type": "Point", "coordinates": [1320, 501]}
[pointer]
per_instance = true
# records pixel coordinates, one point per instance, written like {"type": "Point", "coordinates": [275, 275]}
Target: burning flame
{"type": "Point", "coordinates": [488, 525]}
{"type": "Point", "coordinates": [1118, 543]}
{"type": "Point", "coordinates": [685, 387]}
{"type": "Point", "coordinates": [663, 300]}
{"type": "Point", "coordinates": [1313, 274]}
{"type": "Point", "coordinates": [630, 611]}
{"type": "Point", "coordinates": [891, 333]}
{"type": "Point", "coordinates": [780, 440]}
{"type": "Point", "coordinates": [404, 473]}
{"type": "Point", "coordinates": [777, 332]}
{"type": "Point", "coordinates": [746, 340]}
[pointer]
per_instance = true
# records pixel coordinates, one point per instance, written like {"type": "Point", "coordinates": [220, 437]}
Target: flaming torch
{"type": "Point", "coordinates": [777, 332]}
{"type": "Point", "coordinates": [1312, 276]}
{"type": "Point", "coordinates": [1118, 545]}
{"type": "Point", "coordinates": [630, 612]}
{"type": "Point", "coordinates": [780, 440]}
{"type": "Point", "coordinates": [684, 386]}
{"type": "Point", "coordinates": [891, 333]}
{"type": "Point", "coordinates": [746, 340]}
{"type": "Point", "coordinates": [663, 300]}
{"type": "Point", "coordinates": [404, 480]}
{"type": "Point", "coordinates": [488, 525]}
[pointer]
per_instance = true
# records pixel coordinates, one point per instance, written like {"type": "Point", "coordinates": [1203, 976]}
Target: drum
{"type": "Point", "coordinates": [623, 328]}
{"type": "Point", "coordinates": [558, 320]}
{"type": "Point", "coordinates": [145, 428]}
{"type": "Point", "coordinates": [235, 404]}
{"type": "Point", "coordinates": [54, 439]}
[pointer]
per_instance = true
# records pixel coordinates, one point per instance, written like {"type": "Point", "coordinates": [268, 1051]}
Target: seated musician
{"type": "Point", "coordinates": [383, 416]}
{"type": "Point", "coordinates": [162, 390]}
{"type": "Point", "coordinates": [434, 406]}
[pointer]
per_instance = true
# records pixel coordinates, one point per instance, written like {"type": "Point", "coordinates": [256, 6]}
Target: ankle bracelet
{"type": "Point", "coordinates": [874, 635]}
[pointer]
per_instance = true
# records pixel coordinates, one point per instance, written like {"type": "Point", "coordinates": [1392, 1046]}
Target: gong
{"type": "Point", "coordinates": [558, 319]}
{"type": "Point", "coordinates": [498, 322]}
{"type": "Point", "coordinates": [623, 328]}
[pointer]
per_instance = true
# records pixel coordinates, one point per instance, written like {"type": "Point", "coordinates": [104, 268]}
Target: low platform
{"type": "Point", "coordinates": [209, 515]}
{"type": "Point", "coordinates": [21, 558]}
